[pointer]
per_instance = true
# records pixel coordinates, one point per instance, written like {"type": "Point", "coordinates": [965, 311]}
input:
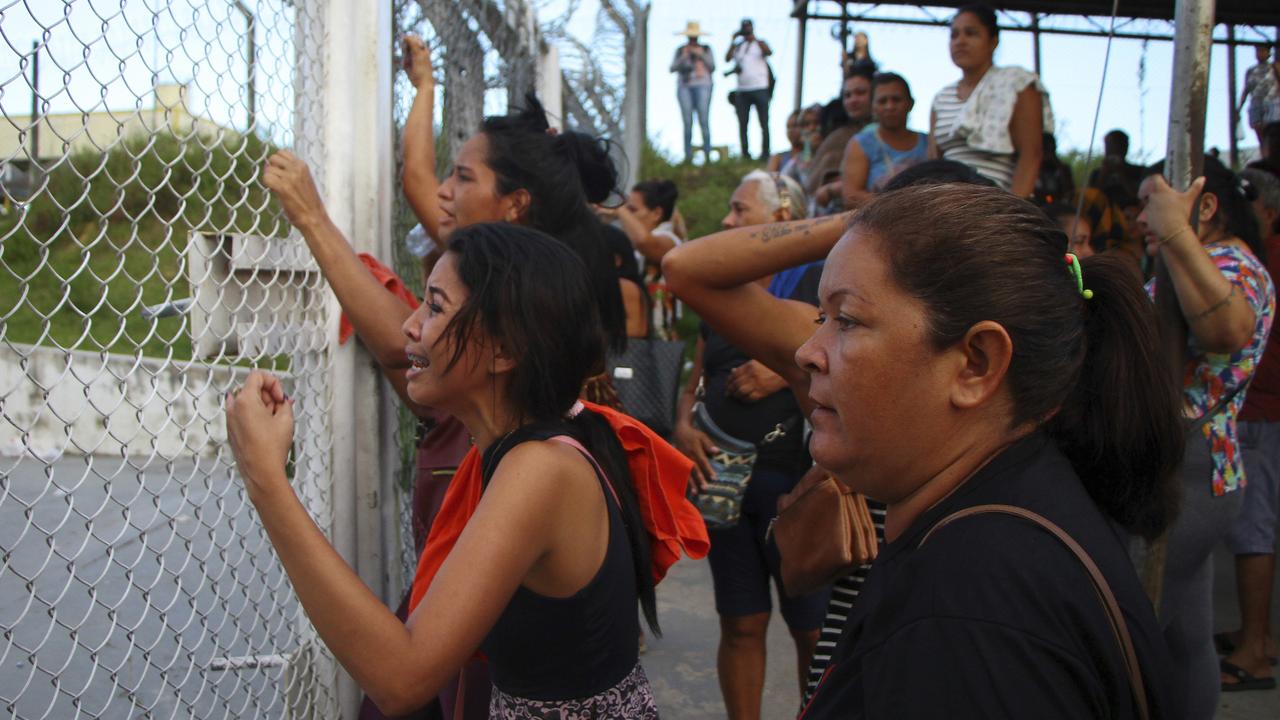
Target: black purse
{"type": "Point", "coordinates": [647, 378]}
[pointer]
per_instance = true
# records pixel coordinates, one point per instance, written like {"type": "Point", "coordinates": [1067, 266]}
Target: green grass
{"type": "Point", "coordinates": [107, 234]}
{"type": "Point", "coordinates": [704, 189]}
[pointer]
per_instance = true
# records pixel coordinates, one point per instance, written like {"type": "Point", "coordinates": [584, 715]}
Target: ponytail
{"type": "Point", "coordinates": [1089, 372]}
{"type": "Point", "coordinates": [1121, 425]}
{"type": "Point", "coordinates": [595, 434]}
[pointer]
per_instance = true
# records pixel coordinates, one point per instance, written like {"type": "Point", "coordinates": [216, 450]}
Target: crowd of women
{"type": "Point", "coordinates": [990, 375]}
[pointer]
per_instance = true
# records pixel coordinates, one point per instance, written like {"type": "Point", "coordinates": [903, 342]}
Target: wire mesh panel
{"type": "Point", "coordinates": [143, 271]}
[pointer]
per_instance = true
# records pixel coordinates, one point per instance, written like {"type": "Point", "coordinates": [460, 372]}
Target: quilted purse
{"type": "Point", "coordinates": [721, 501]}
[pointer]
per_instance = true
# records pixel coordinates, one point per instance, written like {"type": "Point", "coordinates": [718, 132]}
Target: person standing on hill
{"type": "Point", "coordinates": [694, 65]}
{"type": "Point", "coordinates": [755, 88]}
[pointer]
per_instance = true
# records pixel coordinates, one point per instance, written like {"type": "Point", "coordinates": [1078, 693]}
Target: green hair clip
{"type": "Point", "coordinates": [1073, 266]}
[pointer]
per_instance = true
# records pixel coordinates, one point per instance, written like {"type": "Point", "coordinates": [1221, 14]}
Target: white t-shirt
{"type": "Point", "coordinates": [755, 72]}
{"type": "Point", "coordinates": [666, 230]}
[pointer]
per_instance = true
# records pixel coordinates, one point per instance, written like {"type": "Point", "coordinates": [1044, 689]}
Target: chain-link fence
{"type": "Point", "coordinates": [143, 270]}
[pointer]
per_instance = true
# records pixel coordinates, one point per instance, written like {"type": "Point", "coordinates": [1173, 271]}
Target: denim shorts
{"type": "Point", "coordinates": [743, 562]}
{"type": "Point", "coordinates": [1254, 531]}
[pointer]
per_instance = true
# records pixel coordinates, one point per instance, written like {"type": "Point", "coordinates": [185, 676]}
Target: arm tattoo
{"type": "Point", "coordinates": [1225, 301]}
{"type": "Point", "coordinates": [774, 232]}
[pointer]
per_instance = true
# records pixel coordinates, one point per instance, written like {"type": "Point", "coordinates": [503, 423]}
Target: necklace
{"type": "Point", "coordinates": [491, 456]}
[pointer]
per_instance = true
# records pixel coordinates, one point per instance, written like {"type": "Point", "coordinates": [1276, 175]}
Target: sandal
{"type": "Point", "coordinates": [1223, 644]}
{"type": "Point", "coordinates": [1244, 680]}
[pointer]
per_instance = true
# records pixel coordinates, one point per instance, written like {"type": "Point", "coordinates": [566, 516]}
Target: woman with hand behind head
{"type": "Point", "coordinates": [960, 362]}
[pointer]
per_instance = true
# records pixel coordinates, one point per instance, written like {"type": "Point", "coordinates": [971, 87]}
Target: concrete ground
{"type": "Point", "coordinates": [682, 664]}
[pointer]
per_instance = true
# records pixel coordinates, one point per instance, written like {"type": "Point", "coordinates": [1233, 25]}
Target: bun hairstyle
{"type": "Point", "coordinates": [1235, 196]}
{"type": "Point", "coordinates": [1087, 372]}
{"type": "Point", "coordinates": [534, 297]}
{"type": "Point", "coordinates": [659, 194]}
{"type": "Point", "coordinates": [562, 174]}
{"type": "Point", "coordinates": [984, 15]}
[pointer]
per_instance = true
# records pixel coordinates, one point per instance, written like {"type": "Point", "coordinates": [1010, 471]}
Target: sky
{"type": "Point", "coordinates": [141, 44]}
{"type": "Point", "coordinates": [1071, 70]}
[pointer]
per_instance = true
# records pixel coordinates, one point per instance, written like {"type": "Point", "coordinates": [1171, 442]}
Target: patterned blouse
{"type": "Point", "coordinates": [1210, 376]}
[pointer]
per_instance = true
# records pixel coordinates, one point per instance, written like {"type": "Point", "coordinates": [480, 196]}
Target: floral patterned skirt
{"type": "Point", "coordinates": [630, 699]}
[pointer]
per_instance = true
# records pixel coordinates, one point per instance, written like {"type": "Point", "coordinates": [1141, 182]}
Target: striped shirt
{"type": "Point", "coordinates": [947, 106]}
{"type": "Point", "coordinates": [843, 593]}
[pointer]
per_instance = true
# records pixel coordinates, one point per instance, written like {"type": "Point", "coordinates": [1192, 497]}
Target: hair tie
{"type": "Point", "coordinates": [575, 409]}
{"type": "Point", "coordinates": [1073, 267]}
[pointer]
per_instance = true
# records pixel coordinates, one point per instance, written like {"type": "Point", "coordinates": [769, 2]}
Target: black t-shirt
{"type": "Point", "coordinates": [751, 421]}
{"type": "Point", "coordinates": [994, 617]}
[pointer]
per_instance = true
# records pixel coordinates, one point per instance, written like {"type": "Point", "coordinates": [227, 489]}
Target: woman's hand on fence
{"type": "Point", "coordinates": [260, 428]}
{"type": "Point", "coordinates": [289, 180]}
{"type": "Point", "coordinates": [696, 446]}
{"type": "Point", "coordinates": [1168, 212]}
{"type": "Point", "coordinates": [417, 62]}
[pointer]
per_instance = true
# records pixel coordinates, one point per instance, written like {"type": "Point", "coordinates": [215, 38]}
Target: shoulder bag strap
{"type": "Point", "coordinates": [1218, 407]}
{"type": "Point", "coordinates": [1118, 626]}
{"type": "Point", "coordinates": [571, 442]}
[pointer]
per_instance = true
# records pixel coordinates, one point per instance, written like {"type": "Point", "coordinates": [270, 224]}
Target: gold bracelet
{"type": "Point", "coordinates": [1169, 239]}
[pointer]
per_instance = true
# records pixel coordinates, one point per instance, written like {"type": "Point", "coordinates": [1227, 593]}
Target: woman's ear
{"type": "Point", "coordinates": [1208, 207]}
{"type": "Point", "coordinates": [517, 209]}
{"type": "Point", "coordinates": [987, 351]}
{"type": "Point", "coordinates": [501, 361]}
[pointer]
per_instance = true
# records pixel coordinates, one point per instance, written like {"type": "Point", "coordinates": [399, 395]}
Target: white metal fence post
{"type": "Point", "coordinates": [360, 169]}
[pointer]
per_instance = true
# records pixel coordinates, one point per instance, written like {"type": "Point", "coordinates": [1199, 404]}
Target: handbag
{"type": "Point", "coordinates": [720, 502]}
{"type": "Point", "coordinates": [1100, 586]}
{"type": "Point", "coordinates": [823, 531]}
{"type": "Point", "coordinates": [646, 376]}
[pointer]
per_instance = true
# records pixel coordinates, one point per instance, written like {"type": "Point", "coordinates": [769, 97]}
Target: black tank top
{"type": "Point", "coordinates": [545, 648]}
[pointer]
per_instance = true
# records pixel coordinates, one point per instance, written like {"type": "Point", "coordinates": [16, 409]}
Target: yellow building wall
{"type": "Point", "coordinates": [64, 133]}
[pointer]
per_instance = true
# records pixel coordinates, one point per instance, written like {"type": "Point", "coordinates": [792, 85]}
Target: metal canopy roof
{"type": "Point", "coordinates": [1237, 12]}
{"type": "Point", "coordinates": [1136, 19]}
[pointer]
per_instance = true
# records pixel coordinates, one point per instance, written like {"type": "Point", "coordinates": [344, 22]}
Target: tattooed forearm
{"type": "Point", "coordinates": [773, 232]}
{"type": "Point", "coordinates": [1225, 301]}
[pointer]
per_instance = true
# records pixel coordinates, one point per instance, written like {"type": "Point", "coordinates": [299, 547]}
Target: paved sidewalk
{"type": "Point", "coordinates": [682, 664]}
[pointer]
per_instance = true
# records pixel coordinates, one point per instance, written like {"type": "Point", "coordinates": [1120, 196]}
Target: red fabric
{"type": "Point", "coordinates": [1262, 403]}
{"type": "Point", "coordinates": [390, 280]}
{"type": "Point", "coordinates": [660, 473]}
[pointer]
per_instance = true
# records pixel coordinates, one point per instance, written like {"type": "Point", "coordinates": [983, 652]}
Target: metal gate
{"type": "Point", "coordinates": [143, 270]}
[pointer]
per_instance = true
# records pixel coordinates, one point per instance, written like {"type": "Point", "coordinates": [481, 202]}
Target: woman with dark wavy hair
{"type": "Point", "coordinates": [510, 170]}
{"type": "Point", "coordinates": [545, 576]}
{"type": "Point", "coordinates": [962, 360]}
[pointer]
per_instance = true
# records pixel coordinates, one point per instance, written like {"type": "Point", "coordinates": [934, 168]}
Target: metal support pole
{"type": "Point", "coordinates": [1184, 161]}
{"type": "Point", "coordinates": [35, 104]}
{"type": "Point", "coordinates": [804, 23]}
{"type": "Point", "coordinates": [358, 170]}
{"type": "Point", "coordinates": [251, 50]}
{"type": "Point", "coordinates": [1233, 110]}
{"type": "Point", "coordinates": [1191, 44]}
{"type": "Point", "coordinates": [1035, 39]}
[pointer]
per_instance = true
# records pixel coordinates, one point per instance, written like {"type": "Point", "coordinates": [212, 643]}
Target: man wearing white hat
{"type": "Point", "coordinates": [694, 64]}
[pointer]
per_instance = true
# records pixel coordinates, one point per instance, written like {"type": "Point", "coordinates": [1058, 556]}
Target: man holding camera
{"type": "Point", "coordinates": [755, 86]}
